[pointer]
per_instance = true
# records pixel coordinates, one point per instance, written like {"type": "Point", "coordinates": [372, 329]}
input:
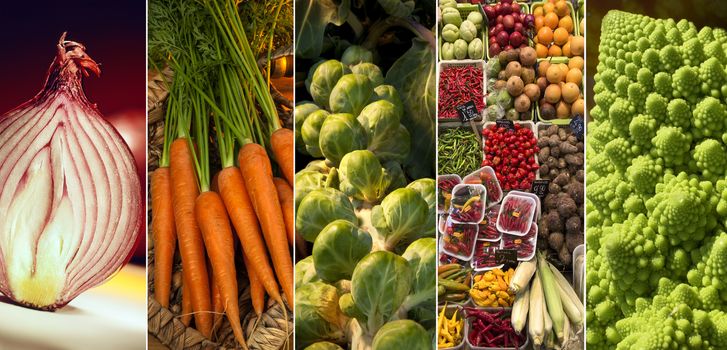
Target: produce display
{"type": "Point", "coordinates": [468, 203]}
{"type": "Point", "coordinates": [512, 84]}
{"type": "Point", "coordinates": [509, 26]}
{"type": "Point", "coordinates": [459, 239]}
{"type": "Point", "coordinates": [459, 151]}
{"type": "Point", "coordinates": [525, 245]}
{"type": "Point", "coordinates": [555, 28]}
{"type": "Point", "coordinates": [450, 331]}
{"type": "Point", "coordinates": [656, 202]}
{"type": "Point", "coordinates": [459, 84]}
{"type": "Point", "coordinates": [366, 203]}
{"type": "Point", "coordinates": [511, 153]}
{"type": "Point", "coordinates": [460, 31]}
{"type": "Point", "coordinates": [454, 282]}
{"type": "Point", "coordinates": [492, 329]}
{"type": "Point", "coordinates": [560, 82]}
{"type": "Point", "coordinates": [490, 289]}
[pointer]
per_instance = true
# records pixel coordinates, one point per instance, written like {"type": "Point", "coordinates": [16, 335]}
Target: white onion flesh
{"type": "Point", "coordinates": [70, 197]}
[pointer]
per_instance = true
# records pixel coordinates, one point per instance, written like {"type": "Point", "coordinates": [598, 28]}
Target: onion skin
{"type": "Point", "coordinates": [70, 196]}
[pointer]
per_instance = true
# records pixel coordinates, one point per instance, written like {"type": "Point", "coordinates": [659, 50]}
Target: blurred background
{"type": "Point", "coordinates": [700, 12]}
{"type": "Point", "coordinates": [112, 316]}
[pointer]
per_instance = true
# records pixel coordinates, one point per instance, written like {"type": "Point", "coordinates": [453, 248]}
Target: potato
{"type": "Point", "coordinates": [528, 75]}
{"type": "Point", "coordinates": [515, 86]}
{"type": "Point", "coordinates": [513, 69]}
{"type": "Point", "coordinates": [522, 103]}
{"type": "Point", "coordinates": [528, 56]}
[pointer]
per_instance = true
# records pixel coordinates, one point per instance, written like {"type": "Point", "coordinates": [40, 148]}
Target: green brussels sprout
{"type": "Point", "coordinates": [319, 208]}
{"type": "Point", "coordinates": [467, 30]}
{"type": "Point", "coordinates": [340, 134]}
{"type": "Point", "coordinates": [460, 49]}
{"type": "Point", "coordinates": [476, 18]}
{"type": "Point", "coordinates": [422, 258]}
{"type": "Point", "coordinates": [305, 272]}
{"type": "Point", "coordinates": [402, 334]}
{"type": "Point", "coordinates": [447, 51]}
{"type": "Point", "coordinates": [310, 131]}
{"type": "Point", "coordinates": [450, 33]}
{"type": "Point", "coordinates": [389, 93]}
{"type": "Point", "coordinates": [450, 15]}
{"type": "Point", "coordinates": [323, 345]}
{"type": "Point", "coordinates": [400, 216]}
{"type": "Point", "coordinates": [349, 308]}
{"type": "Point", "coordinates": [351, 94]}
{"type": "Point", "coordinates": [317, 316]}
{"type": "Point", "coordinates": [372, 71]}
{"type": "Point", "coordinates": [306, 181]}
{"type": "Point", "coordinates": [302, 111]}
{"type": "Point", "coordinates": [427, 189]}
{"type": "Point", "coordinates": [338, 249]}
{"type": "Point", "coordinates": [311, 71]}
{"type": "Point", "coordinates": [380, 283]}
{"type": "Point", "coordinates": [362, 176]}
{"type": "Point", "coordinates": [381, 120]}
{"type": "Point", "coordinates": [325, 78]}
{"type": "Point", "coordinates": [318, 165]}
{"type": "Point", "coordinates": [396, 176]}
{"type": "Point", "coordinates": [475, 49]}
{"type": "Point", "coordinates": [355, 54]}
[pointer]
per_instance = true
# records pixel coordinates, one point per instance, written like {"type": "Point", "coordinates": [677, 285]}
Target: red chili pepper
{"type": "Point", "coordinates": [458, 85]}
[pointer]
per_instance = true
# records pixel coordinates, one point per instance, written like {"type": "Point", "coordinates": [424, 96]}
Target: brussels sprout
{"type": "Point", "coordinates": [422, 258]}
{"type": "Point", "coordinates": [389, 93]}
{"type": "Point", "coordinates": [325, 78]}
{"type": "Point", "coordinates": [311, 71]}
{"type": "Point", "coordinates": [351, 94]}
{"type": "Point", "coordinates": [400, 216]}
{"type": "Point", "coordinates": [372, 71]}
{"type": "Point", "coordinates": [355, 54]}
{"type": "Point", "coordinates": [349, 308]}
{"type": "Point", "coordinates": [476, 18]}
{"type": "Point", "coordinates": [310, 131]}
{"type": "Point", "coordinates": [338, 249]}
{"type": "Point", "coordinates": [450, 15]}
{"type": "Point", "coordinates": [380, 283]}
{"type": "Point", "coordinates": [381, 121]}
{"type": "Point", "coordinates": [460, 49]}
{"type": "Point", "coordinates": [302, 111]}
{"type": "Point", "coordinates": [340, 134]}
{"type": "Point", "coordinates": [305, 272]}
{"type": "Point", "coordinates": [447, 51]}
{"type": "Point", "coordinates": [307, 181]}
{"type": "Point", "coordinates": [402, 334]}
{"type": "Point", "coordinates": [427, 189]}
{"type": "Point", "coordinates": [317, 316]}
{"type": "Point", "coordinates": [323, 345]}
{"type": "Point", "coordinates": [319, 208]}
{"type": "Point", "coordinates": [467, 30]}
{"type": "Point", "coordinates": [362, 176]}
{"type": "Point", "coordinates": [318, 165]}
{"type": "Point", "coordinates": [450, 33]}
{"type": "Point", "coordinates": [475, 50]}
{"type": "Point", "coordinates": [396, 176]}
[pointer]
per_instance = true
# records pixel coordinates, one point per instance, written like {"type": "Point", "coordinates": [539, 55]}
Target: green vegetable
{"type": "Point", "coordinates": [387, 138]}
{"type": "Point", "coordinates": [355, 54]}
{"type": "Point", "coordinates": [301, 113]}
{"type": "Point", "coordinates": [340, 134]}
{"type": "Point", "coordinates": [320, 208]}
{"type": "Point", "coordinates": [317, 316]}
{"type": "Point", "coordinates": [305, 272]}
{"type": "Point", "coordinates": [338, 249]}
{"type": "Point", "coordinates": [475, 49]}
{"type": "Point", "coordinates": [447, 51]}
{"type": "Point", "coordinates": [389, 93]}
{"type": "Point", "coordinates": [323, 346]}
{"type": "Point", "coordinates": [459, 151]}
{"type": "Point", "coordinates": [363, 177]}
{"type": "Point", "coordinates": [402, 334]}
{"type": "Point", "coordinates": [460, 49]}
{"type": "Point", "coordinates": [325, 78]}
{"type": "Point", "coordinates": [350, 94]}
{"type": "Point", "coordinates": [310, 131]}
{"type": "Point", "coordinates": [450, 15]}
{"type": "Point", "coordinates": [399, 216]}
{"type": "Point", "coordinates": [450, 32]}
{"type": "Point", "coordinates": [370, 70]}
{"type": "Point", "coordinates": [467, 30]}
{"type": "Point", "coordinates": [476, 18]}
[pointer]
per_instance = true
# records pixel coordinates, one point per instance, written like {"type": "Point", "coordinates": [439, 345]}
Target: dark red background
{"type": "Point", "coordinates": [114, 33]}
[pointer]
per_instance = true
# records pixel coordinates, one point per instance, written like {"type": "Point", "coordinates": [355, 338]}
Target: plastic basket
{"type": "Point", "coordinates": [464, 11]}
{"type": "Point", "coordinates": [463, 63]}
{"type": "Point", "coordinates": [557, 121]}
{"type": "Point", "coordinates": [525, 8]}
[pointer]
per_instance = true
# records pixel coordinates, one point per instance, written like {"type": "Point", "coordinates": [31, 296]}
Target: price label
{"type": "Point", "coordinates": [540, 188]}
{"type": "Point", "coordinates": [506, 256]}
{"type": "Point", "coordinates": [468, 111]}
{"type": "Point", "coordinates": [504, 123]}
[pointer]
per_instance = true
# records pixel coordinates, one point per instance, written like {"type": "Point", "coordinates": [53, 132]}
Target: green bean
{"type": "Point", "coordinates": [459, 151]}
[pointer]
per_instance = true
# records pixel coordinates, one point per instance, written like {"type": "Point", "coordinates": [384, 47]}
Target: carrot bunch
{"type": "Point", "coordinates": [229, 109]}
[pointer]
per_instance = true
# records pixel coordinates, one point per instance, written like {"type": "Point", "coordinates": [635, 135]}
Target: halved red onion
{"type": "Point", "coordinates": [70, 198]}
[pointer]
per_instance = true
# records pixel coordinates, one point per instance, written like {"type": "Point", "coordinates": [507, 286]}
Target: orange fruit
{"type": "Point", "coordinates": [551, 20]}
{"type": "Point", "coordinates": [541, 50]}
{"type": "Point", "coordinates": [561, 8]}
{"type": "Point", "coordinates": [545, 35]}
{"type": "Point", "coordinates": [555, 50]}
{"type": "Point", "coordinates": [560, 36]}
{"type": "Point", "coordinates": [548, 7]}
{"type": "Point", "coordinates": [538, 12]}
{"type": "Point", "coordinates": [539, 20]}
{"type": "Point", "coordinates": [566, 50]}
{"type": "Point", "coordinates": [576, 63]}
{"type": "Point", "coordinates": [567, 23]}
{"type": "Point", "coordinates": [574, 76]}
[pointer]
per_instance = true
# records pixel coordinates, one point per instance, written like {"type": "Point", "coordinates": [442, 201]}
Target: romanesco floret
{"type": "Point", "coordinates": [656, 106]}
{"type": "Point", "coordinates": [679, 113]}
{"type": "Point", "coordinates": [662, 84]}
{"type": "Point", "coordinates": [645, 172]}
{"type": "Point", "coordinates": [620, 114]}
{"type": "Point", "coordinates": [711, 157]}
{"type": "Point", "coordinates": [713, 77]}
{"type": "Point", "coordinates": [619, 153]}
{"type": "Point", "coordinates": [693, 52]}
{"type": "Point", "coordinates": [672, 145]}
{"type": "Point", "coordinates": [714, 50]}
{"type": "Point", "coordinates": [605, 99]}
{"type": "Point", "coordinates": [685, 83]}
{"type": "Point", "coordinates": [645, 77]}
{"type": "Point", "coordinates": [670, 58]}
{"type": "Point", "coordinates": [650, 59]}
{"type": "Point", "coordinates": [709, 118]}
{"type": "Point", "coordinates": [622, 86]}
{"type": "Point", "coordinates": [642, 130]}
{"type": "Point", "coordinates": [637, 95]}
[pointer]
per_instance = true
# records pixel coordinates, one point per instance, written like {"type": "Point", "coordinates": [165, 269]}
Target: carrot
{"type": "Point", "coordinates": [164, 234]}
{"type": "Point", "coordinates": [191, 247]}
{"type": "Point", "coordinates": [258, 176]}
{"type": "Point", "coordinates": [186, 303]}
{"type": "Point", "coordinates": [215, 225]}
{"type": "Point", "coordinates": [287, 203]}
{"type": "Point", "coordinates": [218, 307]}
{"type": "Point", "coordinates": [257, 292]}
{"type": "Point", "coordinates": [282, 144]}
{"type": "Point", "coordinates": [237, 201]}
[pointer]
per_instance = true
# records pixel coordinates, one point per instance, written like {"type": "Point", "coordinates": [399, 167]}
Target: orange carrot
{"type": "Point", "coordinates": [215, 226]}
{"type": "Point", "coordinates": [218, 307]}
{"type": "Point", "coordinates": [191, 246]}
{"type": "Point", "coordinates": [257, 292]}
{"type": "Point", "coordinates": [287, 203]}
{"type": "Point", "coordinates": [186, 303]}
{"type": "Point", "coordinates": [238, 204]}
{"type": "Point", "coordinates": [258, 176]}
{"type": "Point", "coordinates": [282, 144]}
{"type": "Point", "coordinates": [164, 234]}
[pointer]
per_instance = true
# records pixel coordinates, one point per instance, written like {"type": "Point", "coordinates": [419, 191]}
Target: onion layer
{"type": "Point", "coordinates": [70, 198]}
